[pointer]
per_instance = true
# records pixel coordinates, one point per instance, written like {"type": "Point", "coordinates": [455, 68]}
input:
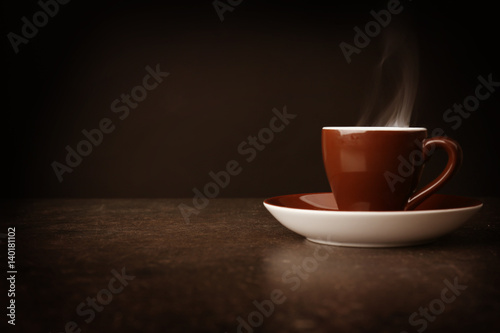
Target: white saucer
{"type": "Point", "coordinates": [316, 217]}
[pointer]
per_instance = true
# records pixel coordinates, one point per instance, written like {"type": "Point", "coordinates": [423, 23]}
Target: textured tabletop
{"type": "Point", "coordinates": [135, 265]}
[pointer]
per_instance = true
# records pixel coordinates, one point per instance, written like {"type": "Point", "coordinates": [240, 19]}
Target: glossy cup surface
{"type": "Point", "coordinates": [373, 168]}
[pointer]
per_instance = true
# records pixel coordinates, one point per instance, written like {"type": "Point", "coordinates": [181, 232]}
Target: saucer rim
{"type": "Point", "coordinates": [478, 204]}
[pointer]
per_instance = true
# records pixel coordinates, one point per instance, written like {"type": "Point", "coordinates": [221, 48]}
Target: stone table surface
{"type": "Point", "coordinates": [135, 265]}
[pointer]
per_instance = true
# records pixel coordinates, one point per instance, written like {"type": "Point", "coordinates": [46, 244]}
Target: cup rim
{"type": "Point", "coordinates": [374, 128]}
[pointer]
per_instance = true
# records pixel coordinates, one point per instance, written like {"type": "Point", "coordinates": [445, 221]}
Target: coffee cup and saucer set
{"type": "Point", "coordinates": [373, 174]}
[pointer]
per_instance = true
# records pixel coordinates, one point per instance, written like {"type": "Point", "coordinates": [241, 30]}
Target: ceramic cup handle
{"type": "Point", "coordinates": [454, 161]}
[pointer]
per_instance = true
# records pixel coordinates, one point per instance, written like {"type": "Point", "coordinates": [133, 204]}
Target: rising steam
{"type": "Point", "coordinates": [394, 84]}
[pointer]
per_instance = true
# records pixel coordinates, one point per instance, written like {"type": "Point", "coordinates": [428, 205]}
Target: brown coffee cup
{"type": "Point", "coordinates": [378, 168]}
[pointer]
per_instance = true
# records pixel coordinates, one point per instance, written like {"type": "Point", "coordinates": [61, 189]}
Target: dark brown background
{"type": "Point", "coordinates": [225, 78]}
